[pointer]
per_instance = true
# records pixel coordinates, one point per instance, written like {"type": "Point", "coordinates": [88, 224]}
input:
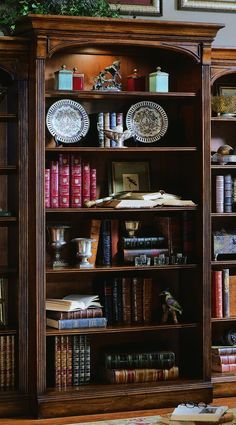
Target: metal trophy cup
{"type": "Point", "coordinates": [83, 252]}
{"type": "Point", "coordinates": [56, 244]}
{"type": "Point", "coordinates": [132, 227]}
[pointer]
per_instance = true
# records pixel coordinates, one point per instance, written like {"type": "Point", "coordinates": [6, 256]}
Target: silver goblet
{"type": "Point", "coordinates": [56, 244]}
{"type": "Point", "coordinates": [83, 252]}
{"type": "Point", "coordinates": [132, 227]}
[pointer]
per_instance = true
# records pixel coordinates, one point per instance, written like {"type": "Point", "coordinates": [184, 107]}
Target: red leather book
{"type": "Point", "coordinates": [54, 171]}
{"type": "Point", "coordinates": [76, 182]}
{"type": "Point", "coordinates": [93, 184]}
{"type": "Point", "coordinates": [217, 294]}
{"type": "Point", "coordinates": [85, 182]}
{"type": "Point", "coordinates": [47, 188]}
{"type": "Point", "coordinates": [64, 181]}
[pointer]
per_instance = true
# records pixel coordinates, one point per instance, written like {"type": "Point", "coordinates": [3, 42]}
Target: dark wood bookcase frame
{"type": "Point", "coordinates": [14, 198]}
{"type": "Point", "coordinates": [223, 72]}
{"type": "Point", "coordinates": [180, 162]}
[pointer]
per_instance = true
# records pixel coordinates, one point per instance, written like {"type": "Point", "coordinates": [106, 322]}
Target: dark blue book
{"type": "Point", "coordinates": [106, 243]}
{"type": "Point", "coordinates": [91, 322]}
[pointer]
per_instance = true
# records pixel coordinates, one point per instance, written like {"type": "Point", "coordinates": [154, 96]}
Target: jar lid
{"type": "Point", "coordinates": [135, 74]}
{"type": "Point", "coordinates": [159, 72]}
{"type": "Point", "coordinates": [63, 70]}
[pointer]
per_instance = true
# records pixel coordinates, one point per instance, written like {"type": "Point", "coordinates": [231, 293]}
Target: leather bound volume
{"type": "Point", "coordinates": [64, 181]}
{"type": "Point", "coordinates": [117, 300]}
{"type": "Point", "coordinates": [69, 366]}
{"type": "Point", "coordinates": [107, 300]}
{"type": "Point", "coordinates": [76, 181]}
{"type": "Point", "coordinates": [232, 296]}
{"type": "Point", "coordinates": [125, 376]}
{"type": "Point", "coordinates": [126, 299]}
{"type": "Point", "coordinates": [58, 382]}
{"type": "Point", "coordinates": [47, 188]}
{"type": "Point", "coordinates": [226, 294]}
{"type": "Point", "coordinates": [147, 300]}
{"type": "Point", "coordinates": [85, 183]}
{"type": "Point", "coordinates": [217, 295]}
{"type": "Point", "coordinates": [137, 300]}
{"type": "Point", "coordinates": [54, 187]}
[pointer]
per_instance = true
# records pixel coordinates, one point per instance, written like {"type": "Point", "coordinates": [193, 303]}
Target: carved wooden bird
{"type": "Point", "coordinates": [116, 134]}
{"type": "Point", "coordinates": [170, 306]}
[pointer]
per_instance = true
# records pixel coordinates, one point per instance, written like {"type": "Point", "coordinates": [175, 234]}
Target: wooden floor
{"type": "Point", "coordinates": [230, 402]}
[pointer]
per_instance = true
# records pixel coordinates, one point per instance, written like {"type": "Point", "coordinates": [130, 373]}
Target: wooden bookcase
{"type": "Point", "coordinates": [13, 225]}
{"type": "Point", "coordinates": [179, 163]}
{"type": "Point", "coordinates": [223, 74]}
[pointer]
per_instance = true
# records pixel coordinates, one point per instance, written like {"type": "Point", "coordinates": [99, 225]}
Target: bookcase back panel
{"type": "Point", "coordinates": [91, 60]}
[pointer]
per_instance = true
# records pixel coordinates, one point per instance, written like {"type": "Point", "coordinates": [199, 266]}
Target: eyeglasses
{"type": "Point", "coordinates": [191, 404]}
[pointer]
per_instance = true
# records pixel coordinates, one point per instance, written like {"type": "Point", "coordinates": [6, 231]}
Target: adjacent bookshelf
{"type": "Point", "coordinates": [223, 262]}
{"type": "Point", "coordinates": [13, 227]}
{"type": "Point", "coordinates": [177, 163]}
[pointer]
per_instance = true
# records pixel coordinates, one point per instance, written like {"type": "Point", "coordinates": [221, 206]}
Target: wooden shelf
{"type": "Point", "coordinates": [121, 329]}
{"type": "Point", "coordinates": [223, 319]}
{"type": "Point", "coordinates": [120, 269]}
{"type": "Point", "coordinates": [98, 95]}
{"type": "Point", "coordinates": [223, 167]}
{"type": "Point", "coordinates": [223, 377]}
{"type": "Point", "coordinates": [118, 210]}
{"type": "Point", "coordinates": [8, 332]}
{"type": "Point", "coordinates": [223, 215]}
{"type": "Point", "coordinates": [7, 219]}
{"type": "Point", "coordinates": [224, 263]}
{"type": "Point", "coordinates": [123, 151]}
{"type": "Point", "coordinates": [223, 119]}
{"type": "Point", "coordinates": [7, 116]}
{"type": "Point", "coordinates": [8, 169]}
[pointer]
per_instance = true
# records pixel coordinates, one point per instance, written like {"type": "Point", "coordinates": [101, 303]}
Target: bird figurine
{"type": "Point", "coordinates": [170, 306]}
{"type": "Point", "coordinates": [116, 134]}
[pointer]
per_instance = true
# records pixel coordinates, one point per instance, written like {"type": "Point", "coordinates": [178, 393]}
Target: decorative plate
{"type": "Point", "coordinates": [147, 121]}
{"type": "Point", "coordinates": [67, 121]}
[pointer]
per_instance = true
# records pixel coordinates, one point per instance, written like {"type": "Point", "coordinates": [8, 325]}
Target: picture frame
{"type": "Point", "coordinates": [226, 90]}
{"type": "Point", "coordinates": [130, 176]}
{"type": "Point", "coordinates": [208, 5]}
{"type": "Point", "coordinates": [138, 7]}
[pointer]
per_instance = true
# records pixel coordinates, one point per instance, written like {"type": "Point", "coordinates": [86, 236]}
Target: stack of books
{"type": "Point", "coordinates": [140, 366]}
{"type": "Point", "coordinates": [75, 311]}
{"type": "Point", "coordinates": [223, 359]}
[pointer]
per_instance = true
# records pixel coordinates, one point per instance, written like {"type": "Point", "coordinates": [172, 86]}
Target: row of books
{"type": "Point", "coordinates": [3, 301]}
{"type": "Point", "coordinates": [127, 300]}
{"type": "Point", "coordinates": [225, 193]}
{"type": "Point", "coordinates": [108, 121]}
{"type": "Point", "coordinates": [71, 360]}
{"type": "Point", "coordinates": [69, 182]}
{"type": "Point", "coordinates": [7, 362]}
{"type": "Point", "coordinates": [223, 294]}
{"type": "Point", "coordinates": [140, 366]}
{"type": "Point", "coordinates": [223, 359]}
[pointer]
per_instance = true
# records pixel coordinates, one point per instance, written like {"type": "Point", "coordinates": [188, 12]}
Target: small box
{"type": "Point", "coordinates": [159, 81]}
{"type": "Point", "coordinates": [135, 82]}
{"type": "Point", "coordinates": [64, 79]}
{"type": "Point", "coordinates": [224, 242]}
{"type": "Point", "coordinates": [78, 80]}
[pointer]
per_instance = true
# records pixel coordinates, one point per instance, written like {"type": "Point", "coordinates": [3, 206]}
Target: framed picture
{"type": "Point", "coordinates": [138, 7]}
{"type": "Point", "coordinates": [130, 177]}
{"type": "Point", "coordinates": [226, 90]}
{"type": "Point", "coordinates": [210, 5]}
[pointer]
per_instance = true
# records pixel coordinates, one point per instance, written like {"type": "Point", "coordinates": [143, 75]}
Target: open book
{"type": "Point", "coordinates": [198, 414]}
{"type": "Point", "coordinates": [72, 302]}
